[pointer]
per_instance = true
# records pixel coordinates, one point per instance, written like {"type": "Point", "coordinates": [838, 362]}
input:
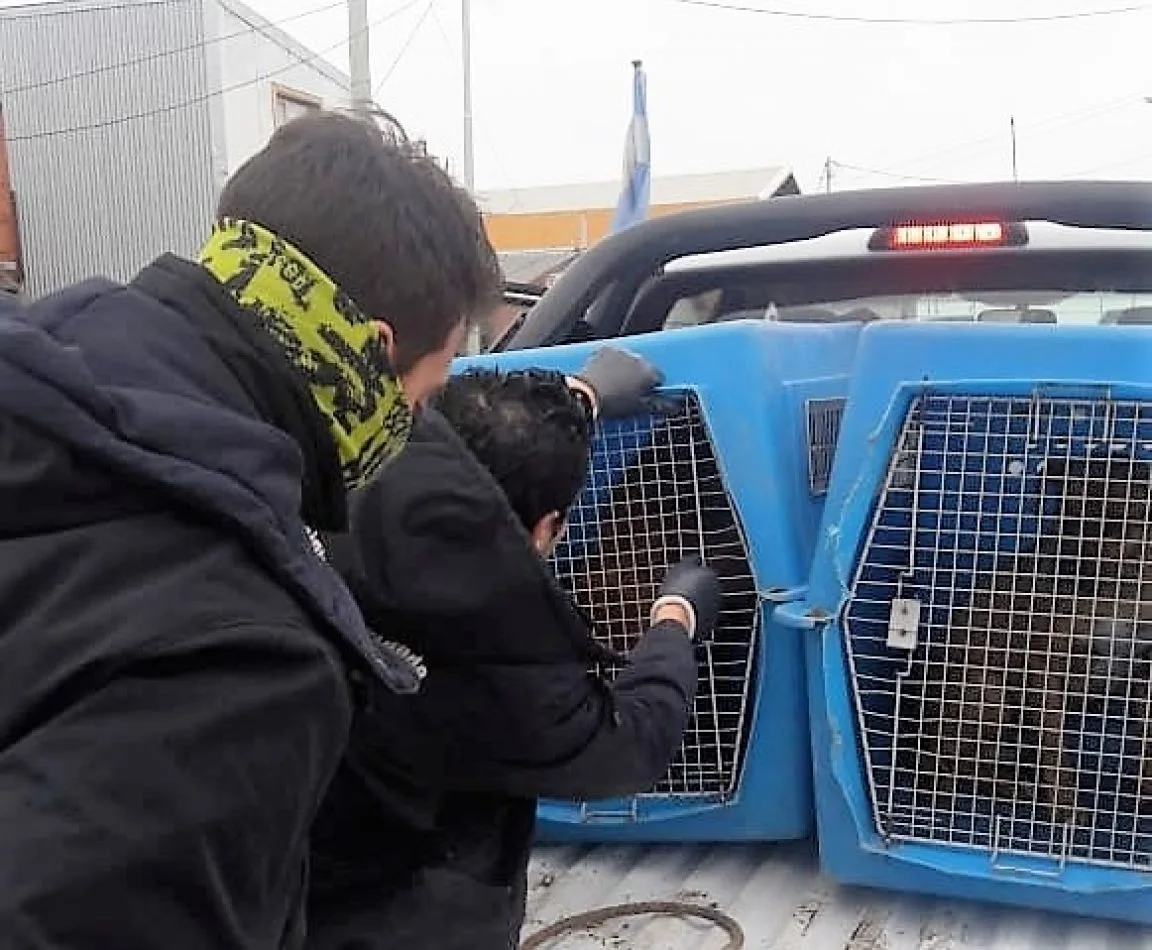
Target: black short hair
{"type": "Point", "coordinates": [528, 430]}
{"type": "Point", "coordinates": [380, 217]}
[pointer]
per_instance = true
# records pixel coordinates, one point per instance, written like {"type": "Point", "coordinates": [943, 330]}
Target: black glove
{"type": "Point", "coordinates": [690, 584]}
{"type": "Point", "coordinates": [624, 383]}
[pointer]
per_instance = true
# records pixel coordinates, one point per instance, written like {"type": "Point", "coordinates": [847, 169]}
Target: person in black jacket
{"type": "Point", "coordinates": [423, 841]}
{"type": "Point", "coordinates": [174, 653]}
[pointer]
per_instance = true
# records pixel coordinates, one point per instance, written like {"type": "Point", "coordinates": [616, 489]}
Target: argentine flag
{"type": "Point", "coordinates": [632, 208]}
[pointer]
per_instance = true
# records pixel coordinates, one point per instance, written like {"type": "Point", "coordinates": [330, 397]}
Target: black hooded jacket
{"type": "Point", "coordinates": [173, 687]}
{"type": "Point", "coordinates": [424, 839]}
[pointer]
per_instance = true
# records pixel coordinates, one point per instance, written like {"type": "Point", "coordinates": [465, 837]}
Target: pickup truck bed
{"type": "Point", "coordinates": [804, 257]}
{"type": "Point", "coordinates": [782, 901]}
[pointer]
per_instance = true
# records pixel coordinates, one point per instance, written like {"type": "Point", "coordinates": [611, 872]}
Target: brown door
{"type": "Point", "coordinates": [11, 271]}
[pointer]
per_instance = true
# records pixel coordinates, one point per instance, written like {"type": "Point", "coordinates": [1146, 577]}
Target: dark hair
{"type": "Point", "coordinates": [528, 430]}
{"type": "Point", "coordinates": [379, 217]}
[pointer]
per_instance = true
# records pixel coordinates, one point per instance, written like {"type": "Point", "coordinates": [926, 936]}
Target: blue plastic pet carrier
{"type": "Point", "coordinates": [980, 619]}
{"type": "Point", "coordinates": [736, 471]}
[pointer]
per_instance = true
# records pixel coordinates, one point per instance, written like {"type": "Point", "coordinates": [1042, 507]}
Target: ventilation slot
{"type": "Point", "coordinates": [823, 417]}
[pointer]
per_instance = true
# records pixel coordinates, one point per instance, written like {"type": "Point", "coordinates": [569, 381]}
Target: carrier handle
{"type": "Point", "coordinates": [630, 812]}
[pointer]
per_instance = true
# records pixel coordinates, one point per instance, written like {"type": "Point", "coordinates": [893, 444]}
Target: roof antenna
{"type": "Point", "coordinates": [1012, 128]}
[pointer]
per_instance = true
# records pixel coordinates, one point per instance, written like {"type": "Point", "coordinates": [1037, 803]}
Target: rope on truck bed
{"type": "Point", "coordinates": [594, 918]}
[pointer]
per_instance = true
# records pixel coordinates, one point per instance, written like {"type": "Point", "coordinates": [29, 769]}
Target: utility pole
{"type": "Point", "coordinates": [466, 55]}
{"type": "Point", "coordinates": [827, 175]}
{"type": "Point", "coordinates": [360, 57]}
{"type": "Point", "coordinates": [1012, 128]}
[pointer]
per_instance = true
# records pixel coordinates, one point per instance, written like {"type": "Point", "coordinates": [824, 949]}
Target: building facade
{"type": "Point", "coordinates": [123, 119]}
{"type": "Point", "coordinates": [538, 232]}
{"type": "Point", "coordinates": [578, 215]}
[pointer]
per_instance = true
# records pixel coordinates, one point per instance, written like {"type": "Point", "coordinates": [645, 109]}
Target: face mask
{"type": "Point", "coordinates": [325, 336]}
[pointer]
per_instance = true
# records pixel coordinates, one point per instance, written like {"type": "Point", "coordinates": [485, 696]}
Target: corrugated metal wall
{"type": "Point", "coordinates": [108, 131]}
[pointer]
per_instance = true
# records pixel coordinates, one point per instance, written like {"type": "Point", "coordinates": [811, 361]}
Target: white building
{"type": "Point", "coordinates": [124, 118]}
{"type": "Point", "coordinates": [265, 78]}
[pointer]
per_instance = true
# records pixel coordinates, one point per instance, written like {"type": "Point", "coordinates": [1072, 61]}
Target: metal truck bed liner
{"type": "Point", "coordinates": [778, 895]}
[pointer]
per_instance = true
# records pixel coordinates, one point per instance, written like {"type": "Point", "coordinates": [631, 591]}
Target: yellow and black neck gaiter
{"type": "Point", "coordinates": [324, 335]}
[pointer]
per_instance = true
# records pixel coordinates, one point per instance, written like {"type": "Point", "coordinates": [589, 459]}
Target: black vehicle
{"type": "Point", "coordinates": [1059, 252]}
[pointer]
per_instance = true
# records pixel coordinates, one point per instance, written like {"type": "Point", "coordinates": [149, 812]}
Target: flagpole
{"type": "Point", "coordinates": [466, 54]}
{"type": "Point", "coordinates": [360, 57]}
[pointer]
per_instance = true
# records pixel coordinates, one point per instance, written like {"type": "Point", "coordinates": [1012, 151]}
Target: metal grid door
{"type": "Point", "coordinates": [999, 630]}
{"type": "Point", "coordinates": [654, 495]}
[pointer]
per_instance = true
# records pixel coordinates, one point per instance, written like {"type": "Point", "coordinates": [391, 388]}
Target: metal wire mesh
{"type": "Point", "coordinates": [655, 495]}
{"type": "Point", "coordinates": [823, 417]}
{"type": "Point", "coordinates": [999, 630]}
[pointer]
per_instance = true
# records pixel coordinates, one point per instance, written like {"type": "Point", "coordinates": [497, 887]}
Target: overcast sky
{"type": "Point", "coordinates": [731, 89]}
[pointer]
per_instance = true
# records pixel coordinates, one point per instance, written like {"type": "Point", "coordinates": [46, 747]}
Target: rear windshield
{"type": "Point", "coordinates": [1075, 289]}
{"type": "Point", "coordinates": [1017, 306]}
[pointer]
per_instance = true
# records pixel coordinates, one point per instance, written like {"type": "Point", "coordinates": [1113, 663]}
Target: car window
{"type": "Point", "coordinates": [975, 306]}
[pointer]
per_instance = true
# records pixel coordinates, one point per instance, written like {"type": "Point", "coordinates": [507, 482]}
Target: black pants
{"type": "Point", "coordinates": [443, 909]}
{"type": "Point", "coordinates": [471, 898]}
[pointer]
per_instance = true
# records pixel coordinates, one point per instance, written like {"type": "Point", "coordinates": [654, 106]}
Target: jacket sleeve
{"type": "Point", "coordinates": [570, 735]}
{"type": "Point", "coordinates": [167, 803]}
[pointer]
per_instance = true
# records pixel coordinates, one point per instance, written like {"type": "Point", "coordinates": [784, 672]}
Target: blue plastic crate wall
{"type": "Point", "coordinates": [654, 495]}
{"type": "Point", "coordinates": [999, 629]}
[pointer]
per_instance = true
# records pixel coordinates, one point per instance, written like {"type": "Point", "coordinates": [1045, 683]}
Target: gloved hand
{"type": "Point", "coordinates": [695, 588]}
{"type": "Point", "coordinates": [622, 383]}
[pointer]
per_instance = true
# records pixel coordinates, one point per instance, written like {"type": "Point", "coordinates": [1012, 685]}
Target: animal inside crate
{"type": "Point", "coordinates": [655, 495]}
{"type": "Point", "coordinates": [1015, 717]}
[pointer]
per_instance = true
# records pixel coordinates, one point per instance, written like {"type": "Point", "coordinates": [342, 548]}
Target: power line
{"type": "Point", "coordinates": [915, 21]}
{"type": "Point", "coordinates": [177, 106]}
{"type": "Point", "coordinates": [439, 24]}
{"type": "Point", "coordinates": [404, 48]}
{"type": "Point", "coordinates": [302, 60]}
{"type": "Point", "coordinates": [897, 176]}
{"type": "Point", "coordinates": [263, 28]}
{"type": "Point", "coordinates": [1133, 160]}
{"type": "Point", "coordinates": [38, 14]}
{"type": "Point", "coordinates": [1051, 122]}
{"type": "Point", "coordinates": [162, 54]}
{"type": "Point", "coordinates": [1065, 118]}
{"type": "Point", "coordinates": [488, 141]}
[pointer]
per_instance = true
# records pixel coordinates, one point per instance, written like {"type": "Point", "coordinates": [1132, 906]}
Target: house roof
{"type": "Point", "coordinates": [741, 185]}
